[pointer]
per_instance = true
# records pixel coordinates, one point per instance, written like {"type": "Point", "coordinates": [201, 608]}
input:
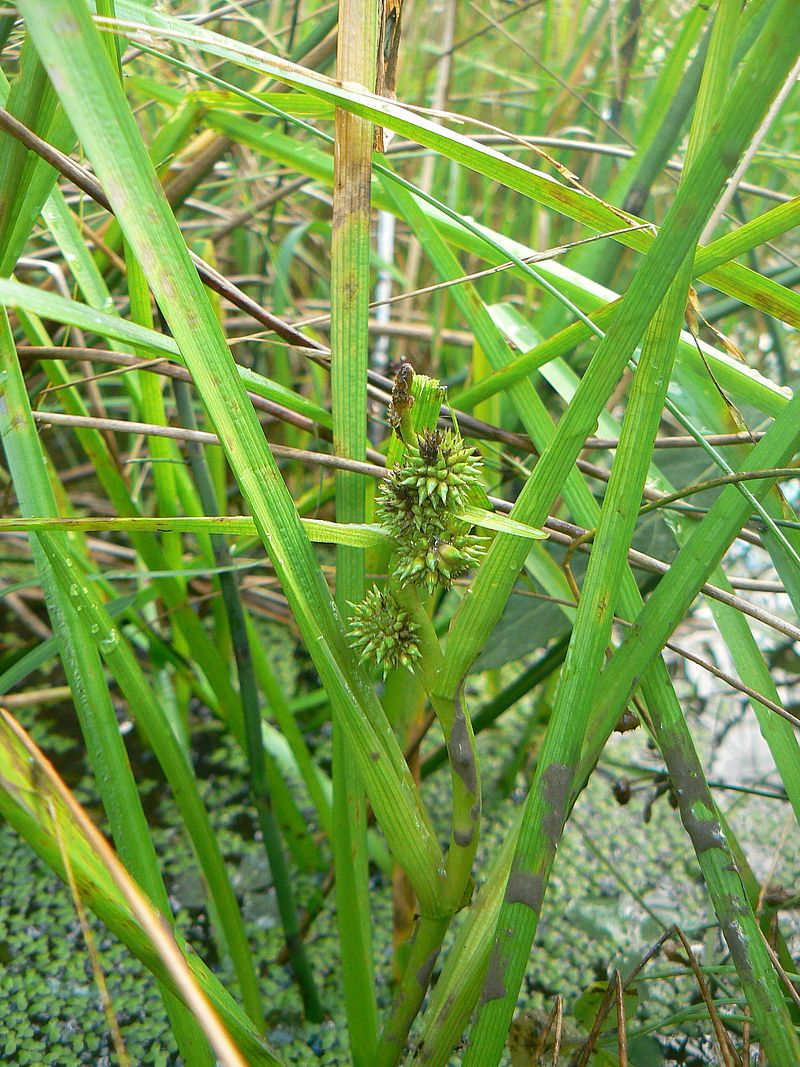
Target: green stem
{"type": "Point", "coordinates": [425, 946]}
{"type": "Point", "coordinates": [254, 744]}
{"type": "Point", "coordinates": [459, 739]}
{"type": "Point", "coordinates": [350, 280]}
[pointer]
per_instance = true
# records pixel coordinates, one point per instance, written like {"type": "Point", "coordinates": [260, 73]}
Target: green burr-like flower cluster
{"type": "Point", "coordinates": [382, 631]}
{"type": "Point", "coordinates": [439, 469]}
{"type": "Point", "coordinates": [439, 559]}
{"type": "Point", "coordinates": [419, 505]}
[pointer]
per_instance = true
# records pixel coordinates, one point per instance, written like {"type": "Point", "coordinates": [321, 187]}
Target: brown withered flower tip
{"type": "Point", "coordinates": [402, 400]}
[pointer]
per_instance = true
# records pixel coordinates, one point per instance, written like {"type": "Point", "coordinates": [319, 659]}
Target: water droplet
{"type": "Point", "coordinates": [110, 641]}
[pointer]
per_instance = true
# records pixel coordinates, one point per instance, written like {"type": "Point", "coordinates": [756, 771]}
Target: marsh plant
{"type": "Point", "coordinates": [201, 426]}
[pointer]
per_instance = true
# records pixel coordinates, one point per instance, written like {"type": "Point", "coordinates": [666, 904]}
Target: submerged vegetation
{"type": "Point", "coordinates": [385, 475]}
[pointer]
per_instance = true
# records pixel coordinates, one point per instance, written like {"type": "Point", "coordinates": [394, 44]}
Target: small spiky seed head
{"type": "Point", "coordinates": [440, 469]}
{"type": "Point", "coordinates": [382, 631]}
{"type": "Point", "coordinates": [399, 510]}
{"type": "Point", "coordinates": [436, 561]}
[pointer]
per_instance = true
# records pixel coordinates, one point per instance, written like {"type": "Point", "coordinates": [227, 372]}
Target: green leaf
{"type": "Point", "coordinates": [67, 43]}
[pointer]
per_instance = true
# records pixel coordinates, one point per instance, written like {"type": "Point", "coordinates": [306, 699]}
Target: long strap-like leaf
{"type": "Point", "coordinates": [67, 42]}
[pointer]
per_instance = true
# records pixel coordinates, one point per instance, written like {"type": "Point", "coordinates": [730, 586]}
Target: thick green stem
{"type": "Point", "coordinates": [456, 726]}
{"type": "Point", "coordinates": [425, 945]}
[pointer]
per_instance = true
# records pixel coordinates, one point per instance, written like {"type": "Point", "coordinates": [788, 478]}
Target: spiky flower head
{"type": "Point", "coordinates": [437, 560]}
{"type": "Point", "coordinates": [419, 505]}
{"type": "Point", "coordinates": [382, 631]}
{"type": "Point", "coordinates": [399, 510]}
{"type": "Point", "coordinates": [440, 469]}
